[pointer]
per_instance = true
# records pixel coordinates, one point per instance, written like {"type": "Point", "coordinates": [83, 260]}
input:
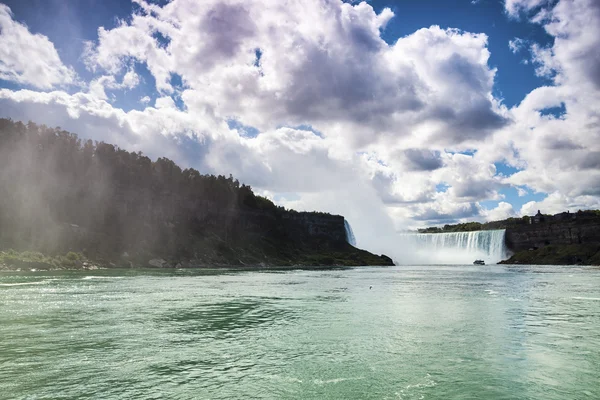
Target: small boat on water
{"type": "Point", "coordinates": [478, 262]}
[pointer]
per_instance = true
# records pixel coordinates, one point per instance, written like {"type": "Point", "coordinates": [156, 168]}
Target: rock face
{"type": "Point", "coordinates": [561, 239]}
{"type": "Point", "coordinates": [302, 224]}
{"type": "Point", "coordinates": [387, 260]}
{"type": "Point", "coordinates": [555, 230]}
{"type": "Point", "coordinates": [157, 263]}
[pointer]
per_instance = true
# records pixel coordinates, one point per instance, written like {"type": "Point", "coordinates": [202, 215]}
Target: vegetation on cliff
{"type": "Point", "coordinates": [558, 254]}
{"type": "Point", "coordinates": [12, 259]}
{"type": "Point", "coordinates": [478, 226]}
{"type": "Point", "coordinates": [59, 194]}
{"type": "Point", "coordinates": [509, 222]}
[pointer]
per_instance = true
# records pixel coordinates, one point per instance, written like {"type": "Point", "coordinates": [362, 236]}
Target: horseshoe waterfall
{"type": "Point", "coordinates": [455, 247]}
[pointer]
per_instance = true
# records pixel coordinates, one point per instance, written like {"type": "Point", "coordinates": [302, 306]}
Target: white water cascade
{"type": "Point", "coordinates": [455, 247]}
{"type": "Point", "coordinates": [349, 234]}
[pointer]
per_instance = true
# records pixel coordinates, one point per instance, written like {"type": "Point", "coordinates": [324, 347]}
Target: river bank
{"type": "Point", "coordinates": [342, 255]}
{"type": "Point", "coordinates": [558, 254]}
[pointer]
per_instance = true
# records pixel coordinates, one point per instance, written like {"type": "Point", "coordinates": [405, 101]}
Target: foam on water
{"type": "Point", "coordinates": [101, 277]}
{"type": "Point", "coordinates": [586, 298]}
{"type": "Point", "coordinates": [44, 282]}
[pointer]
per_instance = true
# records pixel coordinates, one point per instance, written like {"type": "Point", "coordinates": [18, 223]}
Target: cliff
{"type": "Point", "coordinates": [59, 194]}
{"type": "Point", "coordinates": [566, 238]}
{"type": "Point", "coordinates": [557, 232]}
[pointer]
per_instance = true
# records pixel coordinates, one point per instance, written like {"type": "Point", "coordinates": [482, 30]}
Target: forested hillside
{"type": "Point", "coordinates": [59, 193]}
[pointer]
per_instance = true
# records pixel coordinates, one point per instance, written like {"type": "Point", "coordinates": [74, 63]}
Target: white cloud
{"type": "Point", "coordinates": [514, 7]}
{"type": "Point", "coordinates": [545, 63]}
{"type": "Point", "coordinates": [325, 65]}
{"type": "Point", "coordinates": [130, 80]}
{"type": "Point", "coordinates": [516, 45]}
{"type": "Point", "coordinates": [561, 152]}
{"type": "Point", "coordinates": [165, 102]}
{"type": "Point", "coordinates": [98, 86]}
{"type": "Point", "coordinates": [557, 203]}
{"type": "Point", "coordinates": [502, 211]}
{"type": "Point", "coordinates": [29, 59]}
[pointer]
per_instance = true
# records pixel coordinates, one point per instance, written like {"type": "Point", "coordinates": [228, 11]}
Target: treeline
{"type": "Point", "coordinates": [478, 226]}
{"type": "Point", "coordinates": [55, 153]}
{"type": "Point", "coordinates": [60, 193]}
{"type": "Point", "coordinates": [511, 222]}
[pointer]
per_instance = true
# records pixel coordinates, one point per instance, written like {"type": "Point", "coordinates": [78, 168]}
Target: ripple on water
{"type": "Point", "coordinates": [28, 283]}
{"type": "Point", "coordinates": [424, 332]}
{"type": "Point", "coordinates": [225, 316]}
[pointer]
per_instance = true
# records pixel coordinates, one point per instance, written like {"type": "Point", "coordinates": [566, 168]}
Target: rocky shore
{"type": "Point", "coordinates": [342, 255]}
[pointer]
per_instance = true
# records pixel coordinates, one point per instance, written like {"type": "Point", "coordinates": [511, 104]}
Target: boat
{"type": "Point", "coordinates": [478, 262]}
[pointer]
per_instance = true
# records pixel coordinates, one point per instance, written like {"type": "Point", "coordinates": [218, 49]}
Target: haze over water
{"type": "Point", "coordinates": [434, 332]}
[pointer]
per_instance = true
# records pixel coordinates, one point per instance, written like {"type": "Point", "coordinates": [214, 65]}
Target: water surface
{"type": "Point", "coordinates": [434, 332]}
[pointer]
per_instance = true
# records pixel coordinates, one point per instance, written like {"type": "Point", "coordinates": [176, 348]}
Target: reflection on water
{"type": "Point", "coordinates": [398, 333]}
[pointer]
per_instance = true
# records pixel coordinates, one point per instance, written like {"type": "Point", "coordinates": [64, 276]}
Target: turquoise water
{"type": "Point", "coordinates": [468, 332]}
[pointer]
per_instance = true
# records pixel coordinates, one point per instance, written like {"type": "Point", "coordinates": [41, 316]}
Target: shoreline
{"type": "Point", "coordinates": [342, 255]}
{"type": "Point", "coordinates": [4, 268]}
{"type": "Point", "coordinates": [557, 254]}
{"type": "Point", "coordinates": [35, 262]}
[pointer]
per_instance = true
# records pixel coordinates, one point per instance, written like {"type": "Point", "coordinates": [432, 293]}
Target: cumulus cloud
{"type": "Point", "coordinates": [502, 211]}
{"type": "Point", "coordinates": [560, 152]}
{"type": "Point", "coordinates": [557, 203]}
{"type": "Point", "coordinates": [156, 131]}
{"type": "Point", "coordinates": [422, 159]}
{"type": "Point", "coordinates": [130, 80]}
{"type": "Point", "coordinates": [98, 86]}
{"type": "Point", "coordinates": [29, 59]}
{"type": "Point", "coordinates": [516, 45]}
{"type": "Point", "coordinates": [324, 65]}
{"type": "Point", "coordinates": [514, 7]}
{"type": "Point", "coordinates": [448, 212]}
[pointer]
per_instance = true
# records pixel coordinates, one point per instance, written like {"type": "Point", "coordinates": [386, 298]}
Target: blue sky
{"type": "Point", "coordinates": [416, 112]}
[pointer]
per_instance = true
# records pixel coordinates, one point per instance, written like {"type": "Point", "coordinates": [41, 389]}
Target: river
{"type": "Point", "coordinates": [410, 332]}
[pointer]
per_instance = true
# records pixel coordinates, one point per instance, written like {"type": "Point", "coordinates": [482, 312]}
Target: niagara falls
{"type": "Point", "coordinates": [454, 247]}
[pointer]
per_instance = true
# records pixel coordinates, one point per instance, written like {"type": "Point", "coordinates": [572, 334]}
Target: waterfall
{"type": "Point", "coordinates": [349, 234]}
{"type": "Point", "coordinates": [455, 247]}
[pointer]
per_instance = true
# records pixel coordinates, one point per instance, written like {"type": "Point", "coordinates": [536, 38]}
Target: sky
{"type": "Point", "coordinates": [395, 114]}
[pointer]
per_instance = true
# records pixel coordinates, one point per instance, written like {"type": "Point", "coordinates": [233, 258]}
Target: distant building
{"type": "Point", "coordinates": [563, 216]}
{"type": "Point", "coordinates": [538, 218]}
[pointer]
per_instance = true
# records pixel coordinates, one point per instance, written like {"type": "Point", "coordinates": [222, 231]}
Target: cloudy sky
{"type": "Point", "coordinates": [396, 114]}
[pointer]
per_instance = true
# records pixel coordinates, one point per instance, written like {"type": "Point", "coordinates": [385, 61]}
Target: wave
{"type": "Point", "coordinates": [44, 282]}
